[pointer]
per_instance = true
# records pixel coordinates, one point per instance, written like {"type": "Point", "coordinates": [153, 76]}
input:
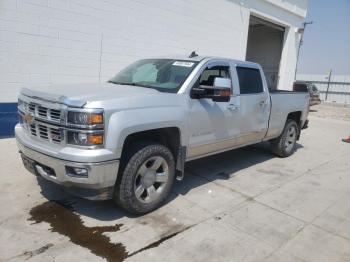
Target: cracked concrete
{"type": "Point", "coordinates": [242, 205]}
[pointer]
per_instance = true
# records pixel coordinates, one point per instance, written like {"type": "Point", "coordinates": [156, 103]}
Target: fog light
{"type": "Point", "coordinates": [76, 171]}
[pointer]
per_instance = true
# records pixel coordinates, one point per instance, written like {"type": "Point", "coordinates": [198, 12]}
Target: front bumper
{"type": "Point", "coordinates": [98, 185]}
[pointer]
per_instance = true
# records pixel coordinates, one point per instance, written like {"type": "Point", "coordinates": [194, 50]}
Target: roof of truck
{"type": "Point", "coordinates": [200, 58]}
{"type": "Point", "coordinates": [184, 57]}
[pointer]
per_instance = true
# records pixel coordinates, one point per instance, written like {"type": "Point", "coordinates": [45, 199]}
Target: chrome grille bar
{"type": "Point", "coordinates": [46, 123]}
{"type": "Point", "coordinates": [42, 112]}
{"type": "Point", "coordinates": [46, 132]}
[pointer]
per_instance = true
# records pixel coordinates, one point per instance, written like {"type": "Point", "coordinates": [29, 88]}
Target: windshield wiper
{"type": "Point", "coordinates": [119, 83]}
{"type": "Point", "coordinates": [129, 84]}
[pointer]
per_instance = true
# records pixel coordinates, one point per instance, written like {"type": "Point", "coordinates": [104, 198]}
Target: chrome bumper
{"type": "Point", "coordinates": [98, 185]}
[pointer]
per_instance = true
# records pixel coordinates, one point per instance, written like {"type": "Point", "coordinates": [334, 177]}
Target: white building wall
{"type": "Point", "coordinates": [44, 42]}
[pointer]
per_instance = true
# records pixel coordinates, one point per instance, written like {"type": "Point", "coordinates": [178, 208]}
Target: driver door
{"type": "Point", "coordinates": [212, 124]}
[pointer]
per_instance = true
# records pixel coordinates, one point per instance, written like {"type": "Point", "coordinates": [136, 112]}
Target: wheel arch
{"type": "Point", "coordinates": [167, 136]}
{"type": "Point", "coordinates": [296, 116]}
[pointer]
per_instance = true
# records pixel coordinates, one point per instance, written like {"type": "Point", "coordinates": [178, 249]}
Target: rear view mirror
{"type": "Point", "coordinates": [219, 92]}
{"type": "Point", "coordinates": [222, 83]}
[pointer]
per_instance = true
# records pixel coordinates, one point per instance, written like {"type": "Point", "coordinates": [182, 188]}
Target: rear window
{"type": "Point", "coordinates": [250, 81]}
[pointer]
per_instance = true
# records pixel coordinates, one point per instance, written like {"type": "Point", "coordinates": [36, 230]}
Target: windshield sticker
{"type": "Point", "coordinates": [183, 63]}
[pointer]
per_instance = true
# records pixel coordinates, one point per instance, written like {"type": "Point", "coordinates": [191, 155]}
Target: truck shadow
{"type": "Point", "coordinates": [100, 210]}
{"type": "Point", "coordinates": [221, 166]}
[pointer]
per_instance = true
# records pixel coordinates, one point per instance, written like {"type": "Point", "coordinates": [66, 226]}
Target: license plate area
{"type": "Point", "coordinates": [29, 164]}
{"type": "Point", "coordinates": [37, 168]}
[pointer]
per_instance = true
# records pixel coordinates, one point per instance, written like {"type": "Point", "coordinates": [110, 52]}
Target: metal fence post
{"type": "Point", "coordinates": [329, 80]}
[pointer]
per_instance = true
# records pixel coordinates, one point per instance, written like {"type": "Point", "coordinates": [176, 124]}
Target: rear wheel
{"type": "Point", "coordinates": [284, 145]}
{"type": "Point", "coordinates": [146, 179]}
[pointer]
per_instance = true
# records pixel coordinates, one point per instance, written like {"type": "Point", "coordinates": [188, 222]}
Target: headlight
{"type": "Point", "coordinates": [85, 139]}
{"type": "Point", "coordinates": [85, 118]}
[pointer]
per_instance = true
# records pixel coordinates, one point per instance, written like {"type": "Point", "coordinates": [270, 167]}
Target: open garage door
{"type": "Point", "coordinates": [265, 43]}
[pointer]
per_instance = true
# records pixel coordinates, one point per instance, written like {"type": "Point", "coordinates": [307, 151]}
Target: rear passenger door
{"type": "Point", "coordinates": [254, 104]}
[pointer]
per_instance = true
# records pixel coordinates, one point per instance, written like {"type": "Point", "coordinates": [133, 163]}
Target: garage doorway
{"type": "Point", "coordinates": [265, 44]}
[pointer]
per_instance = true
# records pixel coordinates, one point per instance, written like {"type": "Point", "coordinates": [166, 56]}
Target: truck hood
{"type": "Point", "coordinates": [78, 95]}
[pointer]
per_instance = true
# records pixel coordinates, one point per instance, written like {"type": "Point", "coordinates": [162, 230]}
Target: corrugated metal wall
{"type": "Point", "coordinates": [339, 86]}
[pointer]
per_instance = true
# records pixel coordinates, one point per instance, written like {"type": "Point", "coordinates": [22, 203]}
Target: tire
{"type": "Point", "coordinates": [143, 186]}
{"type": "Point", "coordinates": [284, 145]}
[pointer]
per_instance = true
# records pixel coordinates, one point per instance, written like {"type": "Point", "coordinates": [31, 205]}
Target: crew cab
{"type": "Point", "coordinates": [129, 138]}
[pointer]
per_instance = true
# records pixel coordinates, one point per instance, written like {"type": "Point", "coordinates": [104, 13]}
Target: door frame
{"type": "Point", "coordinates": [286, 34]}
{"type": "Point", "coordinates": [219, 145]}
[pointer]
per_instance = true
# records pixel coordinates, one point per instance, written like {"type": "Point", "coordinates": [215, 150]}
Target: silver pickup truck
{"type": "Point", "coordinates": [129, 138]}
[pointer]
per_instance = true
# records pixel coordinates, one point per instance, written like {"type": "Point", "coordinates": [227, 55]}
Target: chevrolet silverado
{"type": "Point", "coordinates": [129, 138]}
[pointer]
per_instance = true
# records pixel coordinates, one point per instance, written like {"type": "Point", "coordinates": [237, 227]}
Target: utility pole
{"type": "Point", "coordinates": [329, 81]}
{"type": "Point", "coordinates": [99, 69]}
{"type": "Point", "coordinates": [300, 31]}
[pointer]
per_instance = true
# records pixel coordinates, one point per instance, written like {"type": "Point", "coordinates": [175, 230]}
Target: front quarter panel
{"type": "Point", "coordinates": [144, 116]}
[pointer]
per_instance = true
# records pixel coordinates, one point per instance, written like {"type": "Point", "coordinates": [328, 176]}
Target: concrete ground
{"type": "Point", "coordinates": [243, 205]}
{"type": "Point", "coordinates": [331, 110]}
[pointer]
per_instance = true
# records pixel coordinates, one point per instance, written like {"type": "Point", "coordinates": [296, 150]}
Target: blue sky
{"type": "Point", "coordinates": [327, 41]}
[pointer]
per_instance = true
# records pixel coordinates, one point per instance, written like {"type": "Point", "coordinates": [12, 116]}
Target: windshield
{"type": "Point", "coordinates": [166, 75]}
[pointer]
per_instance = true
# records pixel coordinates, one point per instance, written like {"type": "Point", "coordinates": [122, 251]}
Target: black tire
{"type": "Point", "coordinates": [278, 145]}
{"type": "Point", "coordinates": [125, 195]}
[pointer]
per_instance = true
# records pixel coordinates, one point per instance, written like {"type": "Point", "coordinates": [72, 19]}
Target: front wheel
{"type": "Point", "coordinates": [284, 145]}
{"type": "Point", "coordinates": [146, 180]}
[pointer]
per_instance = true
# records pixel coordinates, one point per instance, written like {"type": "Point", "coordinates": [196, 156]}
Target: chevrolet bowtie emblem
{"type": "Point", "coordinates": [28, 118]}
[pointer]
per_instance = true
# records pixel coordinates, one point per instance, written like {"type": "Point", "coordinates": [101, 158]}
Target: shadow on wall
{"type": "Point", "coordinates": [8, 119]}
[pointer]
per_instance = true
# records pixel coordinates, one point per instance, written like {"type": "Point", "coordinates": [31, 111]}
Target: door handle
{"type": "Point", "coordinates": [262, 103]}
{"type": "Point", "coordinates": [232, 107]}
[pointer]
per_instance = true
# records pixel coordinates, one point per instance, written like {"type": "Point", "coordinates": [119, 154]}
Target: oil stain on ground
{"type": "Point", "coordinates": [62, 219]}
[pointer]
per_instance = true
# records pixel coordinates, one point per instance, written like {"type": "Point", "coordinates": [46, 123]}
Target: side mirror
{"type": "Point", "coordinates": [220, 92]}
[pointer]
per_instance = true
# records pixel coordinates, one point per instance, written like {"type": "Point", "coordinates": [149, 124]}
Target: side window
{"type": "Point", "coordinates": [250, 81]}
{"type": "Point", "coordinates": [209, 74]}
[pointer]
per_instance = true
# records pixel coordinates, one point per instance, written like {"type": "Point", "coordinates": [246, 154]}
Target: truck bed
{"type": "Point", "coordinates": [283, 101]}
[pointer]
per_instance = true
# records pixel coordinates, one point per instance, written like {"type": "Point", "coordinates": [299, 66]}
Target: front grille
{"type": "Point", "coordinates": [56, 135]}
{"type": "Point", "coordinates": [43, 132]}
{"type": "Point", "coordinates": [32, 129]}
{"type": "Point", "coordinates": [55, 115]}
{"type": "Point", "coordinates": [46, 132]}
{"type": "Point", "coordinates": [47, 122]}
{"type": "Point", "coordinates": [42, 112]}
{"type": "Point", "coordinates": [31, 107]}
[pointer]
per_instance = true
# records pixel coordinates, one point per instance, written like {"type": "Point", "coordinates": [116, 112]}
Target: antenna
{"type": "Point", "coordinates": [193, 54]}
